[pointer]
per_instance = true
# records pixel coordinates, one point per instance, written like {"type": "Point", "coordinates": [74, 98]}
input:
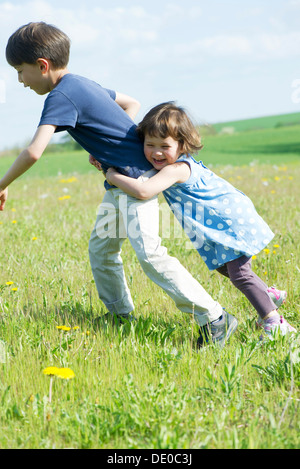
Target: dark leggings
{"type": "Point", "coordinates": [241, 275]}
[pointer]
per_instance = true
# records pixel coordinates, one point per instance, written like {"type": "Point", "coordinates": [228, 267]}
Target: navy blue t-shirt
{"type": "Point", "coordinates": [89, 113]}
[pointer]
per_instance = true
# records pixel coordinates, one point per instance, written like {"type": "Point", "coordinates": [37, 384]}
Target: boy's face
{"type": "Point", "coordinates": [161, 152]}
{"type": "Point", "coordinates": [33, 75]}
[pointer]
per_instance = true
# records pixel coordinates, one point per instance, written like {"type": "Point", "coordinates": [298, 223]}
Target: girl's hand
{"type": "Point", "coordinates": [110, 174]}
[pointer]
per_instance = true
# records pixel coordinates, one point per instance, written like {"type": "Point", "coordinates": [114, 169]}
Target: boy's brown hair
{"type": "Point", "coordinates": [38, 40]}
{"type": "Point", "coordinates": [168, 120]}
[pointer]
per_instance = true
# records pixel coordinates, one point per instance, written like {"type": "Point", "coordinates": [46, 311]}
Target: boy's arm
{"type": "Point", "coordinates": [166, 177]}
{"type": "Point", "coordinates": [26, 159]}
{"type": "Point", "coordinates": [130, 105]}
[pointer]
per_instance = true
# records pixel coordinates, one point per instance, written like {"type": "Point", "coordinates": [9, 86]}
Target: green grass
{"type": "Point", "coordinates": [143, 385]}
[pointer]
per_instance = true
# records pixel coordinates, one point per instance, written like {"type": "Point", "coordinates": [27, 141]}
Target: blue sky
{"type": "Point", "coordinates": [222, 60]}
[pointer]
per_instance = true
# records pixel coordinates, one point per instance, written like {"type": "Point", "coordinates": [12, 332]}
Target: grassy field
{"type": "Point", "coordinates": [143, 385]}
{"type": "Point", "coordinates": [259, 123]}
{"type": "Point", "coordinates": [266, 145]}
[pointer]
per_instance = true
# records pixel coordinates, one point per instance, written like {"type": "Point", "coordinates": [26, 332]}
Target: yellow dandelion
{"type": "Point", "coordinates": [65, 373]}
{"type": "Point", "coordinates": [51, 371]}
{"type": "Point", "coordinates": [75, 328]}
{"type": "Point", "coordinates": [276, 178]}
{"type": "Point", "coordinates": [9, 283]}
{"type": "Point", "coordinates": [14, 221]}
{"type": "Point", "coordinates": [273, 192]}
{"type": "Point", "coordinates": [64, 197]}
{"type": "Point", "coordinates": [63, 328]}
{"type": "Point", "coordinates": [72, 179]}
{"type": "Point", "coordinates": [14, 289]}
{"type": "Point", "coordinates": [34, 238]}
{"type": "Point", "coordinates": [275, 245]}
{"type": "Point", "coordinates": [274, 252]}
{"type": "Point", "coordinates": [13, 210]}
{"type": "Point", "coordinates": [266, 250]}
{"type": "Point", "coordinates": [254, 257]}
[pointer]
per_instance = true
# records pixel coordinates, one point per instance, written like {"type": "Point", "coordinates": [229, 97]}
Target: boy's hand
{"type": "Point", "coordinates": [95, 163]}
{"type": "Point", "coordinates": [3, 198]}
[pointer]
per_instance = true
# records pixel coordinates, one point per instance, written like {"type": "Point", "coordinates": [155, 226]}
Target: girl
{"type": "Point", "coordinates": [220, 220]}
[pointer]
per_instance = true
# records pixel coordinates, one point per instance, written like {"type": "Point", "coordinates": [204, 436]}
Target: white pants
{"type": "Point", "coordinates": [121, 216]}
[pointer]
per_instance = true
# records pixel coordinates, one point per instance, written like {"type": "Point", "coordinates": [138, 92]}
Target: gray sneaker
{"type": "Point", "coordinates": [112, 318]}
{"type": "Point", "coordinates": [217, 332]}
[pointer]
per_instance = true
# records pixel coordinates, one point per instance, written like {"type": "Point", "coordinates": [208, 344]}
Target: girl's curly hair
{"type": "Point", "coordinates": [169, 120]}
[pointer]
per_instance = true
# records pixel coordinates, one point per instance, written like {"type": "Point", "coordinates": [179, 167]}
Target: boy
{"type": "Point", "coordinates": [100, 120]}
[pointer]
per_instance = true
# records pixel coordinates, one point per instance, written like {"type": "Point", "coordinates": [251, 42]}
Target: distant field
{"type": "Point", "coordinates": [268, 122]}
{"type": "Point", "coordinates": [266, 146]}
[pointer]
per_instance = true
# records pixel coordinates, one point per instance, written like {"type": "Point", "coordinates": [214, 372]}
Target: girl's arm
{"type": "Point", "coordinates": [166, 177]}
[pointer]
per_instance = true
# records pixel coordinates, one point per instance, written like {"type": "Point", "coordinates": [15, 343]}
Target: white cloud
{"type": "Point", "coordinates": [280, 45]}
{"type": "Point", "coordinates": [226, 45]}
{"type": "Point", "coordinates": [141, 31]}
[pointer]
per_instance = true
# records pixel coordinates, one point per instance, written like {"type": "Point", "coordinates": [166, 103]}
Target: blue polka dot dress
{"type": "Point", "coordinates": [220, 220]}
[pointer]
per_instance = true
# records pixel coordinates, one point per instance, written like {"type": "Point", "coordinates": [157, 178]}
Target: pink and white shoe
{"type": "Point", "coordinates": [277, 326]}
{"type": "Point", "coordinates": [278, 296]}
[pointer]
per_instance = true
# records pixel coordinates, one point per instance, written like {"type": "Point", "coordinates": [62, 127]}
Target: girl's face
{"type": "Point", "coordinates": [161, 152]}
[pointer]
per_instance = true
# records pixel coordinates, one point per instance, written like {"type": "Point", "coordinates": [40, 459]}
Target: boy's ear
{"type": "Point", "coordinates": [43, 65]}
